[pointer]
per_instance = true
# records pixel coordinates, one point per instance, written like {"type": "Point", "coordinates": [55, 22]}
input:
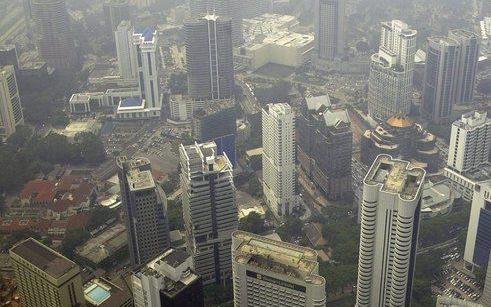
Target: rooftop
{"type": "Point", "coordinates": [99, 248]}
{"type": "Point", "coordinates": [279, 257]}
{"type": "Point", "coordinates": [102, 293]}
{"type": "Point", "coordinates": [203, 158]}
{"type": "Point", "coordinates": [443, 40]}
{"type": "Point", "coordinates": [472, 120]}
{"type": "Point", "coordinates": [140, 180]}
{"type": "Point", "coordinates": [175, 258]}
{"type": "Point", "coordinates": [395, 176]}
{"type": "Point", "coordinates": [43, 257]}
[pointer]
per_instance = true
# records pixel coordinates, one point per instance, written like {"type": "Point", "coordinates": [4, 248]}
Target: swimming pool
{"type": "Point", "coordinates": [97, 294]}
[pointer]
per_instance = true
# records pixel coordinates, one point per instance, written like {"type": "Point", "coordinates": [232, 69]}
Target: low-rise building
{"type": "Point", "coordinates": [103, 249]}
{"type": "Point", "coordinates": [100, 292]}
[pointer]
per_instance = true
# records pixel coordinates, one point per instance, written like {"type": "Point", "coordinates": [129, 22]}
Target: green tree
{"type": "Point", "coordinates": [254, 187]}
{"type": "Point", "coordinates": [174, 215]}
{"type": "Point", "coordinates": [291, 228]}
{"type": "Point", "coordinates": [98, 216]}
{"type": "Point", "coordinates": [72, 239]}
{"type": "Point", "coordinates": [21, 136]}
{"type": "Point", "coordinates": [91, 147]}
{"type": "Point", "coordinates": [252, 223]}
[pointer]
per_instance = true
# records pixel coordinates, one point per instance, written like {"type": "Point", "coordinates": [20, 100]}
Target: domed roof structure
{"type": "Point", "coordinates": [399, 121]}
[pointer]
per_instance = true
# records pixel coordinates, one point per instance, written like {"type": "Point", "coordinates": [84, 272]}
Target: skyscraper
{"type": "Point", "coordinates": [274, 273]}
{"type": "Point", "coordinates": [390, 214]}
{"type": "Point", "coordinates": [440, 78]}
{"type": "Point", "coordinates": [279, 175]}
{"type": "Point", "coordinates": [143, 4]}
{"type": "Point", "coordinates": [145, 42]}
{"type": "Point", "coordinates": [478, 241]}
{"type": "Point", "coordinates": [470, 142]}
{"type": "Point", "coordinates": [168, 280]}
{"type": "Point", "coordinates": [469, 57]}
{"type": "Point", "coordinates": [209, 210]}
{"type": "Point", "coordinates": [391, 71]}
{"type": "Point", "coordinates": [54, 38]}
{"type": "Point", "coordinates": [325, 144]}
{"type": "Point", "coordinates": [145, 207]}
{"type": "Point", "coordinates": [223, 8]}
{"type": "Point", "coordinates": [10, 107]}
{"type": "Point", "coordinates": [115, 11]}
{"type": "Point", "coordinates": [45, 277]}
{"type": "Point", "coordinates": [329, 28]}
{"type": "Point", "coordinates": [126, 51]}
{"type": "Point", "coordinates": [209, 57]}
{"type": "Point", "coordinates": [8, 56]}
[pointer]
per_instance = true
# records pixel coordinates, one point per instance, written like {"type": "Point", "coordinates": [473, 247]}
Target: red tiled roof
{"type": "Point", "coordinates": [10, 225]}
{"type": "Point", "coordinates": [38, 190]}
{"type": "Point", "coordinates": [61, 205]}
{"type": "Point", "coordinates": [79, 220]}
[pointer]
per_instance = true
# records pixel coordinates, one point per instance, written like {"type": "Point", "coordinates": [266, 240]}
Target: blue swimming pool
{"type": "Point", "coordinates": [97, 293]}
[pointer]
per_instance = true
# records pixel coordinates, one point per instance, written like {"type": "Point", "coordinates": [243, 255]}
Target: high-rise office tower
{"type": "Point", "coordinates": [168, 280]}
{"type": "Point", "coordinates": [390, 214]}
{"type": "Point", "coordinates": [143, 4]}
{"type": "Point", "coordinates": [54, 38]}
{"type": "Point", "coordinates": [478, 242]}
{"type": "Point", "coordinates": [391, 71]}
{"type": "Point", "coordinates": [45, 277]}
{"type": "Point", "coordinates": [209, 57]}
{"type": "Point", "coordinates": [126, 51]}
{"type": "Point", "coordinates": [470, 142]}
{"type": "Point", "coordinates": [329, 28]}
{"type": "Point", "coordinates": [10, 107]}
{"type": "Point", "coordinates": [223, 8]}
{"type": "Point", "coordinates": [145, 207]}
{"type": "Point", "coordinates": [440, 78]}
{"type": "Point", "coordinates": [325, 146]}
{"type": "Point", "coordinates": [209, 210]}
{"type": "Point", "coordinates": [274, 273]}
{"type": "Point", "coordinates": [115, 11]}
{"type": "Point", "coordinates": [486, 293]}
{"type": "Point", "coordinates": [469, 57]}
{"type": "Point", "coordinates": [8, 56]}
{"type": "Point", "coordinates": [279, 176]}
{"type": "Point", "coordinates": [145, 42]}
{"type": "Point", "coordinates": [254, 8]}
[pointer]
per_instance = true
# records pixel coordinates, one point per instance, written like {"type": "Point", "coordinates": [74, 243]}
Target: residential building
{"type": "Point", "coordinates": [145, 206]}
{"type": "Point", "coordinates": [168, 280]}
{"type": "Point", "coordinates": [45, 277]}
{"type": "Point", "coordinates": [478, 242]}
{"type": "Point", "coordinates": [223, 8]}
{"type": "Point", "coordinates": [390, 215]}
{"type": "Point", "coordinates": [391, 71]}
{"type": "Point", "coordinates": [115, 11]}
{"type": "Point", "coordinates": [209, 210]}
{"type": "Point", "coordinates": [274, 273]}
{"type": "Point", "coordinates": [440, 78]}
{"type": "Point", "coordinates": [470, 142]}
{"type": "Point", "coordinates": [53, 36]}
{"type": "Point", "coordinates": [10, 106]}
{"type": "Point", "coordinates": [325, 144]}
{"type": "Point", "coordinates": [329, 28]}
{"type": "Point", "coordinates": [400, 137]}
{"type": "Point", "coordinates": [279, 174]}
{"type": "Point", "coordinates": [209, 58]}
{"type": "Point", "coordinates": [469, 57]}
{"type": "Point", "coordinates": [128, 68]}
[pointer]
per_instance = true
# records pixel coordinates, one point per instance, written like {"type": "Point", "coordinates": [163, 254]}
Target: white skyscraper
{"type": "Point", "coordinates": [274, 273]}
{"type": "Point", "coordinates": [478, 242]}
{"type": "Point", "coordinates": [126, 52]}
{"type": "Point", "coordinates": [146, 58]}
{"type": "Point", "coordinates": [390, 214]}
{"type": "Point", "coordinates": [209, 210]}
{"type": "Point", "coordinates": [329, 28]}
{"type": "Point", "coordinates": [10, 107]}
{"type": "Point", "coordinates": [470, 142]}
{"type": "Point", "coordinates": [391, 71]}
{"type": "Point", "coordinates": [278, 121]}
{"type": "Point", "coordinates": [167, 280]}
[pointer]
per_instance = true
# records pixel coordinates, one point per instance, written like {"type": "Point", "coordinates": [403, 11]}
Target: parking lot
{"type": "Point", "coordinates": [455, 281]}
